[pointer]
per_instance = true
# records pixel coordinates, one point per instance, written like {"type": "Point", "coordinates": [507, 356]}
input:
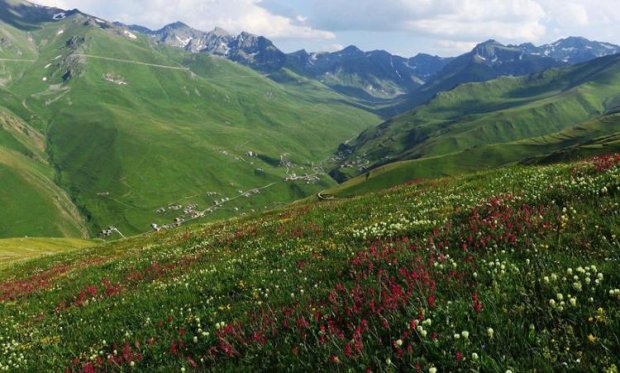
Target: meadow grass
{"type": "Point", "coordinates": [513, 269]}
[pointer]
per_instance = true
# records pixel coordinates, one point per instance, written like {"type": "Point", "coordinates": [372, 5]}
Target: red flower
{"type": "Point", "coordinates": [459, 356]}
{"type": "Point", "coordinates": [476, 302]}
{"type": "Point", "coordinates": [348, 350]}
{"type": "Point", "coordinates": [431, 301]}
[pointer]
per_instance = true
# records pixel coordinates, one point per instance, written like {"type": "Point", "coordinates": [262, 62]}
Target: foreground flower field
{"type": "Point", "coordinates": [510, 270]}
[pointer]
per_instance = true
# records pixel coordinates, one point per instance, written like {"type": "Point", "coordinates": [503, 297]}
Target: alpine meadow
{"type": "Point", "coordinates": [177, 200]}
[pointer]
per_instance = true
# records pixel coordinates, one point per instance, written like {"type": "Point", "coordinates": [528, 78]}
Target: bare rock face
{"type": "Point", "coordinates": [248, 49]}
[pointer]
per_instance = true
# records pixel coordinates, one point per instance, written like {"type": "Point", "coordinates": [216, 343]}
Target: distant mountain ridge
{"type": "Point", "coordinates": [376, 73]}
{"type": "Point", "coordinates": [379, 74]}
{"type": "Point", "coordinates": [572, 50]}
{"type": "Point", "coordinates": [486, 61]}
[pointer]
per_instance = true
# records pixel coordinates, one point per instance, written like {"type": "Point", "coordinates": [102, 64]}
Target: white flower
{"type": "Point", "coordinates": [490, 332]}
{"type": "Point", "coordinates": [432, 370]}
{"type": "Point", "coordinates": [457, 336]}
{"type": "Point", "coordinates": [399, 342]}
{"type": "Point", "coordinates": [559, 296]}
{"type": "Point", "coordinates": [465, 334]}
{"type": "Point", "coordinates": [474, 356]}
{"type": "Point", "coordinates": [573, 302]}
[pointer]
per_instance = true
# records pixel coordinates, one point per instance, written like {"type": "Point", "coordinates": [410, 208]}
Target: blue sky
{"type": "Point", "coordinates": [404, 27]}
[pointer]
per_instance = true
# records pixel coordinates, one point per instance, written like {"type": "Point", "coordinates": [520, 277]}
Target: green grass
{"type": "Point", "coordinates": [32, 205]}
{"type": "Point", "coordinates": [19, 249]}
{"type": "Point", "coordinates": [591, 138]}
{"type": "Point", "coordinates": [170, 135]}
{"type": "Point", "coordinates": [463, 273]}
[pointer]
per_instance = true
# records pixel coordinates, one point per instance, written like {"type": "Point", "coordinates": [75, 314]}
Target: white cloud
{"type": "Point", "coordinates": [454, 19]}
{"type": "Point", "coordinates": [233, 15]}
{"type": "Point", "coordinates": [409, 26]}
{"type": "Point", "coordinates": [332, 48]}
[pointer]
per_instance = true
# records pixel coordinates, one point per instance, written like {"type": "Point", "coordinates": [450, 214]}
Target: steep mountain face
{"type": "Point", "coordinates": [374, 74]}
{"type": "Point", "coordinates": [427, 66]}
{"type": "Point", "coordinates": [255, 51]}
{"type": "Point", "coordinates": [572, 50]}
{"type": "Point", "coordinates": [28, 16]}
{"type": "Point", "coordinates": [486, 61]}
{"type": "Point", "coordinates": [489, 124]}
{"type": "Point", "coordinates": [100, 126]}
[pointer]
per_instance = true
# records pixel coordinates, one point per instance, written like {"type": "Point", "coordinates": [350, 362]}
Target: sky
{"type": "Point", "coordinates": [403, 27]}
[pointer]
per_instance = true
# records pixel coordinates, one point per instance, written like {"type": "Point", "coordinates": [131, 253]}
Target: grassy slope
{"type": "Point", "coordinates": [160, 139]}
{"type": "Point", "coordinates": [595, 137]}
{"type": "Point", "coordinates": [32, 205]}
{"type": "Point", "coordinates": [338, 285]}
{"type": "Point", "coordinates": [492, 123]}
{"type": "Point", "coordinates": [18, 249]}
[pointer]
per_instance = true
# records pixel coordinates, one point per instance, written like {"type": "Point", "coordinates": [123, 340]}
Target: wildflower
{"type": "Point", "coordinates": [474, 356]}
{"type": "Point", "coordinates": [399, 342]}
{"type": "Point", "coordinates": [465, 334]}
{"type": "Point", "coordinates": [559, 296]}
{"type": "Point", "coordinates": [457, 336]}
{"type": "Point", "coordinates": [432, 370]}
{"type": "Point", "coordinates": [573, 302]}
{"type": "Point", "coordinates": [591, 338]}
{"type": "Point", "coordinates": [552, 303]}
{"type": "Point", "coordinates": [490, 332]}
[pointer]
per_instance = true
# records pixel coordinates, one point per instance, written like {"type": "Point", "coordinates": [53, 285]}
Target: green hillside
{"type": "Point", "coordinates": [130, 128]}
{"type": "Point", "coordinates": [513, 269]}
{"type": "Point", "coordinates": [18, 249]}
{"type": "Point", "coordinates": [478, 126]}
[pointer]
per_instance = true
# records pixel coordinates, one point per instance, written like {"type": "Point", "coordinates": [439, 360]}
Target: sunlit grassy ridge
{"type": "Point", "coordinates": [513, 269]}
{"type": "Point", "coordinates": [477, 126]}
{"type": "Point", "coordinates": [16, 249]}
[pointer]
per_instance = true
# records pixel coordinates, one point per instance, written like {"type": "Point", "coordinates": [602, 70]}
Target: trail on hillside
{"type": "Point", "coordinates": [133, 62]}
{"type": "Point", "coordinates": [14, 60]}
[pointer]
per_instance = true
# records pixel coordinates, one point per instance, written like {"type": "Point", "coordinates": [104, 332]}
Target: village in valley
{"type": "Point", "coordinates": [175, 214]}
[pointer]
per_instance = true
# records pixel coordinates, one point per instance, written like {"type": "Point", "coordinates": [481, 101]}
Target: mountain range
{"type": "Point", "coordinates": [379, 74]}
{"type": "Point", "coordinates": [108, 129]}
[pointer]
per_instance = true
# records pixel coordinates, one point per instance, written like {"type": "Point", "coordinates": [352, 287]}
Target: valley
{"type": "Point", "coordinates": [161, 111]}
{"type": "Point", "coordinates": [174, 199]}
